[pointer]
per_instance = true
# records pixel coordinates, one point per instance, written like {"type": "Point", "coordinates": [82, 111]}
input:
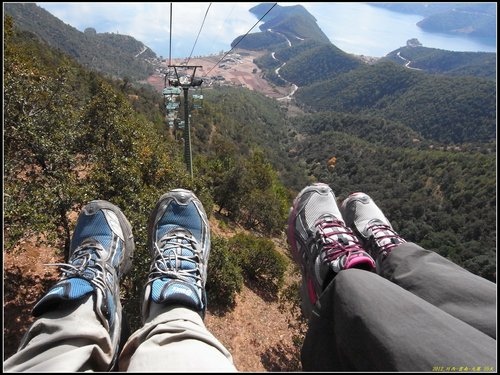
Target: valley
{"type": "Point", "coordinates": [236, 70]}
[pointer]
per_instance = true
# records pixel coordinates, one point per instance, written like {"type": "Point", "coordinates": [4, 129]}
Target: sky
{"type": "Point", "coordinates": [150, 23]}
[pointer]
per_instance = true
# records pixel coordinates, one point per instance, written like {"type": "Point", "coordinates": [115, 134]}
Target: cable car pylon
{"type": "Point", "coordinates": [185, 82]}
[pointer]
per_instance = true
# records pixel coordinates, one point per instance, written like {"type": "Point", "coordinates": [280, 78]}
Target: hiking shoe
{"type": "Point", "coordinates": [321, 243]}
{"type": "Point", "coordinates": [370, 224]}
{"type": "Point", "coordinates": [100, 254]}
{"type": "Point", "coordinates": [179, 241]}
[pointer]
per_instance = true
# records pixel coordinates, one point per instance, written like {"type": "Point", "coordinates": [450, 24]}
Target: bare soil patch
{"type": "Point", "coordinates": [243, 73]}
{"type": "Point", "coordinates": [25, 279]}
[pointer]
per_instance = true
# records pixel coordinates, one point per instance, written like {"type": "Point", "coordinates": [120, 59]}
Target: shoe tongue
{"type": "Point", "coordinates": [72, 289]}
{"type": "Point", "coordinates": [175, 233]}
{"type": "Point", "coordinates": [177, 285]}
{"type": "Point", "coordinates": [374, 223]}
{"type": "Point", "coordinates": [325, 221]}
{"type": "Point", "coordinates": [331, 229]}
{"type": "Point", "coordinates": [175, 291]}
{"type": "Point", "coordinates": [175, 238]}
{"type": "Point", "coordinates": [177, 251]}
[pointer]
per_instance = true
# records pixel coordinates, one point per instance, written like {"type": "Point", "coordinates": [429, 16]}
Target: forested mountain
{"type": "Point", "coordinates": [114, 54]}
{"type": "Point", "coordinates": [317, 64]}
{"type": "Point", "coordinates": [446, 109]}
{"type": "Point", "coordinates": [457, 106]}
{"type": "Point", "coordinates": [433, 60]}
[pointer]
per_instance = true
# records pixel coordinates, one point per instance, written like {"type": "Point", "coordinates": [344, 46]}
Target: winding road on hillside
{"type": "Point", "coordinates": [407, 62]}
{"type": "Point", "coordinates": [144, 48]}
{"type": "Point", "coordinates": [294, 86]}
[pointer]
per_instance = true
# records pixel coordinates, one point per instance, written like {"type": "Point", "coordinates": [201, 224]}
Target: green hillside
{"type": "Point", "coordinates": [446, 109]}
{"type": "Point", "coordinates": [259, 41]}
{"type": "Point", "coordinates": [318, 64]}
{"type": "Point", "coordinates": [433, 60]}
{"type": "Point", "coordinates": [108, 53]}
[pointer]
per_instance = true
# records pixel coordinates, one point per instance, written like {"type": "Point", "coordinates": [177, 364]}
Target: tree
{"type": "Point", "coordinates": [40, 132]}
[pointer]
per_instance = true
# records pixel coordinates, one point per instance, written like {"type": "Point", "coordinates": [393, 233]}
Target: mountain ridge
{"type": "Point", "coordinates": [114, 54]}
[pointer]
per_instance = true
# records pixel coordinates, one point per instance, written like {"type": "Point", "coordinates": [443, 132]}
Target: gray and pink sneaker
{"type": "Point", "coordinates": [369, 222]}
{"type": "Point", "coordinates": [321, 243]}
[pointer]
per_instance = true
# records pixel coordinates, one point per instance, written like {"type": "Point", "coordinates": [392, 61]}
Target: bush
{"type": "Point", "coordinates": [225, 278]}
{"type": "Point", "coordinates": [260, 262]}
{"type": "Point", "coordinates": [244, 258]}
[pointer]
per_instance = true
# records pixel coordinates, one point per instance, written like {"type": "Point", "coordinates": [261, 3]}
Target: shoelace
{"type": "Point", "coordinates": [337, 239]}
{"type": "Point", "coordinates": [383, 238]}
{"type": "Point", "coordinates": [86, 256]}
{"type": "Point", "coordinates": [169, 258]}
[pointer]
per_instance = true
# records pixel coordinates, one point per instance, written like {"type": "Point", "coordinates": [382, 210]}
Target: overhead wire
{"type": "Point", "coordinates": [170, 43]}
{"type": "Point", "coordinates": [248, 32]}
{"type": "Point", "coordinates": [169, 46]}
{"type": "Point", "coordinates": [201, 27]}
{"type": "Point", "coordinates": [199, 32]}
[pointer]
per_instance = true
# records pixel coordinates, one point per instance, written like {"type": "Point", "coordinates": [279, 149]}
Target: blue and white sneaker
{"type": "Point", "coordinates": [179, 241]}
{"type": "Point", "coordinates": [100, 254]}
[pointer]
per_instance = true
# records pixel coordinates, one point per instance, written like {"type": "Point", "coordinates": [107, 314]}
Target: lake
{"type": "Point", "coordinates": [356, 28]}
{"type": "Point", "coordinates": [363, 29]}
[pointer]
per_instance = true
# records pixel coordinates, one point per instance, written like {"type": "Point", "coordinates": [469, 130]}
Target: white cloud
{"type": "Point", "coordinates": [150, 22]}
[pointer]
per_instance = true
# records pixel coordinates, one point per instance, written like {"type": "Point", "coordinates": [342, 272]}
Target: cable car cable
{"type": "Point", "coordinates": [204, 18]}
{"type": "Point", "coordinates": [248, 32]}
{"type": "Point", "coordinates": [170, 44]}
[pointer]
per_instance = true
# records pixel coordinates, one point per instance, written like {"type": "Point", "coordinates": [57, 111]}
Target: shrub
{"type": "Point", "coordinates": [261, 262]}
{"type": "Point", "coordinates": [225, 278]}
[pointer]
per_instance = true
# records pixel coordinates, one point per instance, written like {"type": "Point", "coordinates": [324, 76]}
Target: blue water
{"type": "Point", "coordinates": [363, 29]}
{"type": "Point", "coordinates": [356, 28]}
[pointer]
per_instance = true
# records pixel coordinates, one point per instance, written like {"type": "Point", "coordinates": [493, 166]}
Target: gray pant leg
{"type": "Point", "coordinates": [66, 340]}
{"type": "Point", "coordinates": [367, 323]}
{"type": "Point", "coordinates": [175, 340]}
{"type": "Point", "coordinates": [444, 284]}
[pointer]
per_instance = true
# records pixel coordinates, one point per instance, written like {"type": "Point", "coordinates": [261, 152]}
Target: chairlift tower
{"type": "Point", "coordinates": [186, 82]}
